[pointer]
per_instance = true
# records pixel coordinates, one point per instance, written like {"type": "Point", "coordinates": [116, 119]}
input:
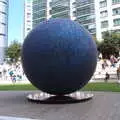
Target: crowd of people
{"type": "Point", "coordinates": [13, 72]}
{"type": "Point", "coordinates": [108, 67]}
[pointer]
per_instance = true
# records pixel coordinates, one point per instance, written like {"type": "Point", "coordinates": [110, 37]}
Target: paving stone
{"type": "Point", "coordinates": [104, 106]}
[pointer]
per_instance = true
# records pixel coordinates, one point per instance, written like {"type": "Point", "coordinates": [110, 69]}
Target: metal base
{"type": "Point", "coordinates": [65, 99]}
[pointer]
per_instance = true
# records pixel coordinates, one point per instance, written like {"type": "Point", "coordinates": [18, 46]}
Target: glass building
{"type": "Point", "coordinates": [3, 28]}
{"type": "Point", "coordinates": [107, 17]}
{"type": "Point", "coordinates": [27, 17]}
{"type": "Point", "coordinates": [39, 11]}
{"type": "Point", "coordinates": [85, 14]}
{"type": "Point", "coordinates": [60, 8]}
{"type": "Point", "coordinates": [82, 11]}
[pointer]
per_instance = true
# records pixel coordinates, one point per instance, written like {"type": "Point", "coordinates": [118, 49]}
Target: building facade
{"type": "Point", "coordinates": [3, 28]}
{"type": "Point", "coordinates": [97, 16]}
{"type": "Point", "coordinates": [82, 11]}
{"type": "Point", "coordinates": [27, 17]}
{"type": "Point", "coordinates": [85, 14]}
{"type": "Point", "coordinates": [107, 16]}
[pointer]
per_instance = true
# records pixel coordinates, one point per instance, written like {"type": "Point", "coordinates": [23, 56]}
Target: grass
{"type": "Point", "coordinates": [107, 87]}
{"type": "Point", "coordinates": [17, 87]}
{"type": "Point", "coordinates": [111, 87]}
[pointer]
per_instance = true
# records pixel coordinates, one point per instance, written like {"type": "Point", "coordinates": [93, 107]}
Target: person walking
{"type": "Point", "coordinates": [118, 74]}
{"type": "Point", "coordinates": [107, 77]}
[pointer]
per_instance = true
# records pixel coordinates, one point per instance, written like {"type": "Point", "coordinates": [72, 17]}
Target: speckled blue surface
{"type": "Point", "coordinates": [59, 56]}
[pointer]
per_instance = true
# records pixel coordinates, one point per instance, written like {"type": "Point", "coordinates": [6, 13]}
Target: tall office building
{"type": "Point", "coordinates": [85, 14]}
{"type": "Point", "coordinates": [107, 16]}
{"type": "Point", "coordinates": [97, 16]}
{"type": "Point", "coordinates": [82, 11]}
{"type": "Point", "coordinates": [27, 17]}
{"type": "Point", "coordinates": [3, 28]}
{"type": "Point", "coordinates": [39, 11]}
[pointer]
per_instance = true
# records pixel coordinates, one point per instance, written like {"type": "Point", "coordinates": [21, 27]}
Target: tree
{"type": "Point", "coordinates": [110, 45]}
{"type": "Point", "coordinates": [13, 52]}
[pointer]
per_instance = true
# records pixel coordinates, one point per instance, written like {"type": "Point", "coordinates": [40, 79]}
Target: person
{"type": "Point", "coordinates": [100, 56]}
{"type": "Point", "coordinates": [107, 77]}
{"type": "Point", "coordinates": [14, 78]}
{"type": "Point", "coordinates": [118, 73]}
{"type": "Point", "coordinates": [11, 73]}
{"type": "Point", "coordinates": [4, 73]}
{"type": "Point", "coordinates": [102, 63]}
{"type": "Point", "coordinates": [112, 60]}
{"type": "Point", "coordinates": [0, 71]}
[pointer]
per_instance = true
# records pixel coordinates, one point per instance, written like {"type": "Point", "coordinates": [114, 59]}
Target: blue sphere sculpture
{"type": "Point", "coordinates": [59, 56]}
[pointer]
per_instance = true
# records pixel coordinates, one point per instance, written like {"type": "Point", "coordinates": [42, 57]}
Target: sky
{"type": "Point", "coordinates": [15, 20]}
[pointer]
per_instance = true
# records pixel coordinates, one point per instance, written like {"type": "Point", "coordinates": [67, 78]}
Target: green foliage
{"type": "Point", "coordinates": [110, 45]}
{"type": "Point", "coordinates": [14, 51]}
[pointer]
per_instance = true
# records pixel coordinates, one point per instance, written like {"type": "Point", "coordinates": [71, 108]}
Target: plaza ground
{"type": "Point", "coordinates": [103, 106]}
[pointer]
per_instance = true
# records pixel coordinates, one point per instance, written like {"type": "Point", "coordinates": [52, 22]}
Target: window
{"type": "Point", "coordinates": [37, 21]}
{"type": "Point", "coordinates": [58, 9]}
{"type": "Point", "coordinates": [116, 11]}
{"type": "Point", "coordinates": [74, 13]}
{"type": "Point", "coordinates": [28, 6]}
{"type": "Point", "coordinates": [28, 10]}
{"type": "Point", "coordinates": [64, 3]}
{"type": "Point", "coordinates": [104, 24]}
{"type": "Point", "coordinates": [29, 15]}
{"type": "Point", "coordinates": [88, 9]}
{"type": "Point", "coordinates": [28, 21]}
{"type": "Point", "coordinates": [3, 7]}
{"type": "Point", "coordinates": [86, 21]}
{"type": "Point", "coordinates": [115, 1]}
{"type": "Point", "coordinates": [92, 30]}
{"type": "Point", "coordinates": [61, 15]}
{"type": "Point", "coordinates": [28, 29]}
{"type": "Point", "coordinates": [103, 3]}
{"type": "Point", "coordinates": [73, 4]}
{"type": "Point", "coordinates": [39, 6]}
{"type": "Point", "coordinates": [59, 6]}
{"type": "Point", "coordinates": [39, 14]}
{"type": "Point", "coordinates": [92, 26]}
{"type": "Point", "coordinates": [103, 14]}
{"type": "Point", "coordinates": [3, 18]}
{"type": "Point", "coordinates": [116, 22]}
{"type": "Point", "coordinates": [2, 28]}
{"type": "Point", "coordinates": [83, 2]}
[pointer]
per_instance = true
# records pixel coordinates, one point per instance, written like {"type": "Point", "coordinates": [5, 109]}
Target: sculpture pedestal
{"type": "Point", "coordinates": [65, 99]}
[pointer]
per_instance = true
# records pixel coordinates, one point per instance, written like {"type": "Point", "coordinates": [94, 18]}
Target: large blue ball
{"type": "Point", "coordinates": [59, 56]}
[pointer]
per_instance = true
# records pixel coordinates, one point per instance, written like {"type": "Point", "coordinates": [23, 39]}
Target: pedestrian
{"type": "Point", "coordinates": [118, 73]}
{"type": "Point", "coordinates": [107, 77]}
{"type": "Point", "coordinates": [14, 79]}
